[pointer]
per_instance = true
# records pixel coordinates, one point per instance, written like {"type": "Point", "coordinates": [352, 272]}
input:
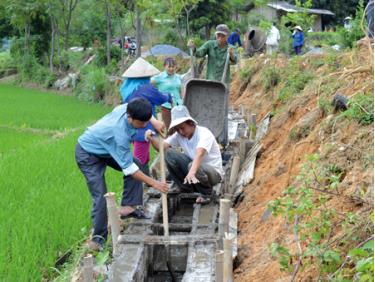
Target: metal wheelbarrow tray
{"type": "Point", "coordinates": [207, 101]}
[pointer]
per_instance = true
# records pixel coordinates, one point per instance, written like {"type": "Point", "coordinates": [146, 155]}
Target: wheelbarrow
{"type": "Point", "coordinates": [207, 101]}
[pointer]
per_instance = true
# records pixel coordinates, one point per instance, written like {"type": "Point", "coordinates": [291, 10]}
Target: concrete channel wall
{"type": "Point", "coordinates": [193, 239]}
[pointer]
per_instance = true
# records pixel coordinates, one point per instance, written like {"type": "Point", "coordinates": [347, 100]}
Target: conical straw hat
{"type": "Point", "coordinates": [140, 68]}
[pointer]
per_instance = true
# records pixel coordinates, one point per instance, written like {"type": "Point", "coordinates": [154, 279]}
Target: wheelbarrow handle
{"type": "Point", "coordinates": [192, 67]}
{"type": "Point", "coordinates": [225, 68]}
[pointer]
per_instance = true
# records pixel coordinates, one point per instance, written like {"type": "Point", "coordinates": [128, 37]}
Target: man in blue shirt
{"type": "Point", "coordinates": [107, 143]}
{"type": "Point", "coordinates": [234, 38]}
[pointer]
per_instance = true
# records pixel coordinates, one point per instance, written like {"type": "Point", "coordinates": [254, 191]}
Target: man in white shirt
{"type": "Point", "coordinates": [199, 167]}
{"type": "Point", "coordinates": [272, 41]}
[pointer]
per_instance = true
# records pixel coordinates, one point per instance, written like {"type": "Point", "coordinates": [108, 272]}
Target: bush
{"type": "Point", "coordinates": [245, 73]}
{"type": "Point", "coordinates": [29, 70]}
{"type": "Point", "coordinates": [7, 64]}
{"type": "Point", "coordinates": [94, 84]}
{"type": "Point", "coordinates": [361, 109]}
{"type": "Point", "coordinates": [322, 38]}
{"type": "Point", "coordinates": [348, 38]}
{"type": "Point", "coordinates": [270, 77]}
{"type": "Point", "coordinates": [38, 46]}
{"type": "Point", "coordinates": [101, 56]}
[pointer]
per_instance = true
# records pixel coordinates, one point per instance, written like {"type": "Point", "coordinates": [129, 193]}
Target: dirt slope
{"type": "Point", "coordinates": [300, 126]}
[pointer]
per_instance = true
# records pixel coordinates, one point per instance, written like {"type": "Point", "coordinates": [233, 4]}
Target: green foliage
{"type": "Point", "coordinates": [325, 105]}
{"type": "Point", "coordinates": [246, 72]}
{"type": "Point", "coordinates": [361, 109]}
{"type": "Point", "coordinates": [265, 25]}
{"type": "Point", "coordinates": [46, 197]}
{"type": "Point", "coordinates": [7, 64]}
{"type": "Point", "coordinates": [101, 56]}
{"type": "Point", "coordinates": [303, 19]}
{"type": "Point", "coordinates": [171, 37]}
{"type": "Point", "coordinates": [296, 80]}
{"type": "Point", "coordinates": [93, 85]}
{"type": "Point", "coordinates": [348, 38]}
{"type": "Point", "coordinates": [30, 70]}
{"type": "Point", "coordinates": [322, 38]}
{"type": "Point", "coordinates": [270, 77]}
{"type": "Point", "coordinates": [306, 207]}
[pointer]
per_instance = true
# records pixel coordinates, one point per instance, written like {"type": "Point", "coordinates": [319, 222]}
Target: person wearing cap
{"type": "Point", "coordinates": [298, 39]}
{"type": "Point", "coordinates": [107, 143]}
{"type": "Point", "coordinates": [347, 23]}
{"type": "Point", "coordinates": [137, 85]}
{"type": "Point", "coordinates": [234, 38]}
{"type": "Point", "coordinates": [217, 51]}
{"type": "Point", "coordinates": [199, 167]}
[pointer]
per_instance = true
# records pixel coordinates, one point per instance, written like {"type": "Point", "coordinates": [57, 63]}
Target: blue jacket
{"type": "Point", "coordinates": [155, 97]}
{"type": "Point", "coordinates": [111, 136]}
{"type": "Point", "coordinates": [298, 39]}
{"type": "Point", "coordinates": [234, 38]}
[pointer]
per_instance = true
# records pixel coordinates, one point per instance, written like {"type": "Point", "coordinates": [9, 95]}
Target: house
{"type": "Point", "coordinates": [274, 10]}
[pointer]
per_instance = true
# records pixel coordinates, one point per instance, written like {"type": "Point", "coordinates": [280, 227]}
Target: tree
{"type": "Point", "coordinates": [23, 13]}
{"type": "Point", "coordinates": [209, 14]}
{"type": "Point", "coordinates": [66, 8]}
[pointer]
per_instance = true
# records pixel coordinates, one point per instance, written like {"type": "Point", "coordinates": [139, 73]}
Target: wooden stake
{"type": "Point", "coordinates": [243, 111]}
{"type": "Point", "coordinates": [234, 173]}
{"type": "Point", "coordinates": [88, 265]}
{"type": "Point", "coordinates": [223, 219]}
{"type": "Point", "coordinates": [228, 260]}
{"type": "Point", "coordinates": [219, 257]}
{"type": "Point", "coordinates": [242, 151]}
{"type": "Point", "coordinates": [253, 128]}
{"type": "Point", "coordinates": [163, 178]}
{"type": "Point", "coordinates": [113, 218]}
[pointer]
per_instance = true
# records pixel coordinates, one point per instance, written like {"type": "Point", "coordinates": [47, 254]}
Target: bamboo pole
{"type": "Point", "coordinates": [234, 173]}
{"type": "Point", "coordinates": [219, 257]}
{"type": "Point", "coordinates": [223, 219]}
{"type": "Point", "coordinates": [228, 260]}
{"type": "Point", "coordinates": [163, 178]}
{"type": "Point", "coordinates": [88, 265]}
{"type": "Point", "coordinates": [113, 218]}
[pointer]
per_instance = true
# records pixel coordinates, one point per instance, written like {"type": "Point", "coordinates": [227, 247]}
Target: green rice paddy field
{"type": "Point", "coordinates": [44, 201]}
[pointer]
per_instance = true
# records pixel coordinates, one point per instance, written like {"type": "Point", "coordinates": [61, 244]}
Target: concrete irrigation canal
{"type": "Point", "coordinates": [202, 240]}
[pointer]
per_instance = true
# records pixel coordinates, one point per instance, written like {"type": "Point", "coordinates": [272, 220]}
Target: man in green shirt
{"type": "Point", "coordinates": [217, 54]}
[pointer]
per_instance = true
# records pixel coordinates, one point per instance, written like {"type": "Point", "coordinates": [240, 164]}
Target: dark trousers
{"type": "Point", "coordinates": [93, 168]}
{"type": "Point", "coordinates": [298, 50]}
{"type": "Point", "coordinates": [179, 164]}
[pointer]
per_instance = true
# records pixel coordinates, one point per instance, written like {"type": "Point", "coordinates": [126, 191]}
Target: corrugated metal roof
{"type": "Point", "coordinates": [281, 5]}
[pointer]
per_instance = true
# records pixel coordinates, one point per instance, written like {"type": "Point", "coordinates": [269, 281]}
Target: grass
{"type": "Point", "coordinates": [12, 140]}
{"type": "Point", "coordinates": [35, 109]}
{"type": "Point", "coordinates": [45, 195]}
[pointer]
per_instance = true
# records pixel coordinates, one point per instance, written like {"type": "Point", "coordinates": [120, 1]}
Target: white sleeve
{"type": "Point", "coordinates": [206, 140]}
{"type": "Point", "coordinates": [172, 140]}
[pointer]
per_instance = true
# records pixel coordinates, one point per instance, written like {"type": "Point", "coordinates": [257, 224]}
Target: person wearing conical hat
{"type": "Point", "coordinates": [137, 85]}
{"type": "Point", "coordinates": [199, 167]}
{"type": "Point", "coordinates": [298, 39]}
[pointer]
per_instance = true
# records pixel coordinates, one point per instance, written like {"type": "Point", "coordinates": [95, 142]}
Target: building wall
{"type": "Point", "coordinates": [271, 14]}
{"type": "Point", "coordinates": [267, 12]}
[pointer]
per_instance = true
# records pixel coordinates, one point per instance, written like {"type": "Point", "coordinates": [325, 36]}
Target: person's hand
{"type": "Point", "coordinates": [161, 186]}
{"type": "Point", "coordinates": [159, 127]}
{"type": "Point", "coordinates": [191, 179]}
{"type": "Point", "coordinates": [191, 44]}
{"type": "Point", "coordinates": [148, 134]}
{"type": "Point", "coordinates": [231, 51]}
